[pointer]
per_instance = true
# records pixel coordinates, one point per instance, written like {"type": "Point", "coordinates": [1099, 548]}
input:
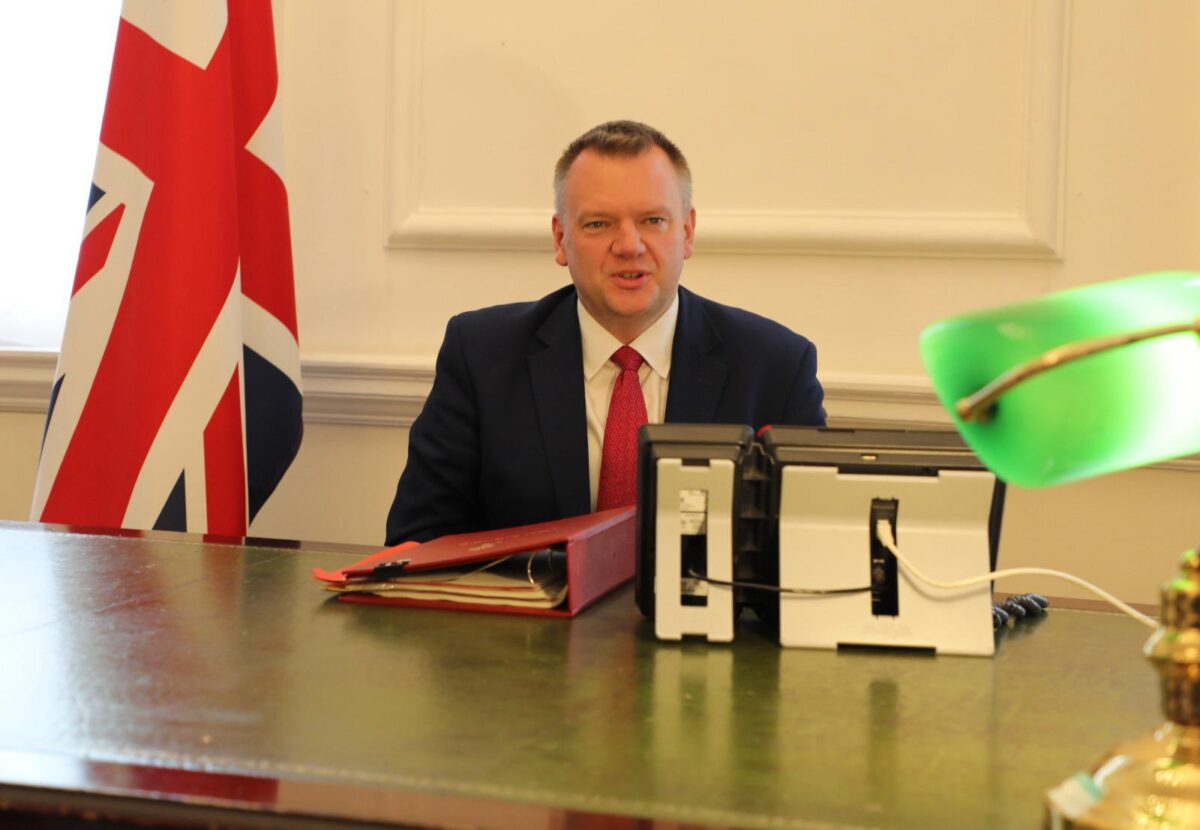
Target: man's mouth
{"type": "Point", "coordinates": [630, 275]}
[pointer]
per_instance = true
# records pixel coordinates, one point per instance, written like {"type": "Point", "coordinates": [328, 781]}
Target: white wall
{"type": "Point", "coordinates": [862, 170]}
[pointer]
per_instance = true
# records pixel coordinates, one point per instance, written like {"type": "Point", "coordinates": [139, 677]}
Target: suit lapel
{"type": "Point", "coordinates": [556, 373]}
{"type": "Point", "coordinates": [697, 375]}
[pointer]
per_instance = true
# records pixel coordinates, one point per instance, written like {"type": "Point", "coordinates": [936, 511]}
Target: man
{"type": "Point", "coordinates": [535, 406]}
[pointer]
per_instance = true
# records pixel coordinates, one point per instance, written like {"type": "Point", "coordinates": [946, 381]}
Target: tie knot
{"type": "Point", "coordinates": [628, 359]}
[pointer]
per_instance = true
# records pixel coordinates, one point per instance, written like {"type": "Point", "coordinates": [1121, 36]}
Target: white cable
{"type": "Point", "coordinates": [883, 529]}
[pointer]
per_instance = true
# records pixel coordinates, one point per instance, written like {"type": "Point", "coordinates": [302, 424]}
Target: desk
{"type": "Point", "coordinates": [168, 678]}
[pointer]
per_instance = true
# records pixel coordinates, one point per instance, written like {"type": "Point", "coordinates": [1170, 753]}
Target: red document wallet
{"type": "Point", "coordinates": [600, 553]}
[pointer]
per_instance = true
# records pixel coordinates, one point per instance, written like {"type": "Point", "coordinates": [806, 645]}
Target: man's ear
{"type": "Point", "coordinates": [556, 227]}
{"type": "Point", "coordinates": [689, 232]}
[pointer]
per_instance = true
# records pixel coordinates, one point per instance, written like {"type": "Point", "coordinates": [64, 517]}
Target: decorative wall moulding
{"type": "Point", "coordinates": [1029, 228]}
{"type": "Point", "coordinates": [26, 378]}
{"type": "Point", "coordinates": [746, 232]}
{"type": "Point", "coordinates": [364, 392]}
{"type": "Point", "coordinates": [359, 391]}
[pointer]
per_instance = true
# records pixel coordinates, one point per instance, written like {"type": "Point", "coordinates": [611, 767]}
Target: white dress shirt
{"type": "Point", "coordinates": [600, 375]}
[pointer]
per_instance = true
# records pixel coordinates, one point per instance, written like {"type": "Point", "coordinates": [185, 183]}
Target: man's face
{"type": "Point", "coordinates": [624, 234]}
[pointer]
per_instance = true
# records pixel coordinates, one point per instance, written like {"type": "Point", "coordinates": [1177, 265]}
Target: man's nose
{"type": "Point", "coordinates": [628, 241]}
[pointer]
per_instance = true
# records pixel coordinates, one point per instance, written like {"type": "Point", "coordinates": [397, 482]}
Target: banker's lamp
{"type": "Point", "coordinates": [1076, 384]}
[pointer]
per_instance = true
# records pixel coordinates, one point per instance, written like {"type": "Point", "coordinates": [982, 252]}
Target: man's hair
{"type": "Point", "coordinates": [621, 138]}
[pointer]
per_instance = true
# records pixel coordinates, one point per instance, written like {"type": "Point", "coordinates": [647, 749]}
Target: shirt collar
{"type": "Point", "coordinates": [654, 344]}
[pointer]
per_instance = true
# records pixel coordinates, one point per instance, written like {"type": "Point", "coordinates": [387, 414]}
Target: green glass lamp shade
{"type": "Point", "coordinates": [1121, 407]}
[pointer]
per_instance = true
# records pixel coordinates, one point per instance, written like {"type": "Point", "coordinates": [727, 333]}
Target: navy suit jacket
{"type": "Point", "coordinates": [502, 440]}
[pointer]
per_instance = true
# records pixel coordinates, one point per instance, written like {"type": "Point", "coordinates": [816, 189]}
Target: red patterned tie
{"type": "Point", "coordinates": [626, 414]}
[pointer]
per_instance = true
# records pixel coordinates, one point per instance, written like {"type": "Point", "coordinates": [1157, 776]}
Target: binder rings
{"type": "Point", "coordinates": [599, 548]}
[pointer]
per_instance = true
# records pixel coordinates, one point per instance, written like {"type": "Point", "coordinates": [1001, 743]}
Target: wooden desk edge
{"type": "Point", "coordinates": [64, 790]}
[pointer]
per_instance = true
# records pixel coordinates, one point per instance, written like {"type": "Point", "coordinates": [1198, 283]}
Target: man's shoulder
{"type": "Point", "coordinates": [742, 326]}
{"type": "Point", "coordinates": [512, 317]}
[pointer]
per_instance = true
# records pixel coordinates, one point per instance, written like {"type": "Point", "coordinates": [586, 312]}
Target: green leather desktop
{"type": "Point", "coordinates": [165, 678]}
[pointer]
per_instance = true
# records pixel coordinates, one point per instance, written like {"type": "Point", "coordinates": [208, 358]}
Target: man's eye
{"type": "Point", "coordinates": [657, 220]}
{"type": "Point", "coordinates": [595, 224]}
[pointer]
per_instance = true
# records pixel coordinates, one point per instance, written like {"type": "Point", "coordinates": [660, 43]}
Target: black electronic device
{"type": "Point", "coordinates": [695, 445]}
{"type": "Point", "coordinates": [880, 452]}
{"type": "Point", "coordinates": [847, 503]}
{"type": "Point", "coordinates": [710, 512]}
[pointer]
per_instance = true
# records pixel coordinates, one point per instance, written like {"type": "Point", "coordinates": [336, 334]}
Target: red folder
{"type": "Point", "coordinates": [600, 558]}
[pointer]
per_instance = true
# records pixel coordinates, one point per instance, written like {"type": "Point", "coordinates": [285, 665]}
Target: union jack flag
{"type": "Point", "coordinates": [176, 403]}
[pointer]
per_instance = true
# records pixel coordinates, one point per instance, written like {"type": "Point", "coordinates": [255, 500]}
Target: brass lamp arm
{"type": "Point", "coordinates": [977, 407]}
